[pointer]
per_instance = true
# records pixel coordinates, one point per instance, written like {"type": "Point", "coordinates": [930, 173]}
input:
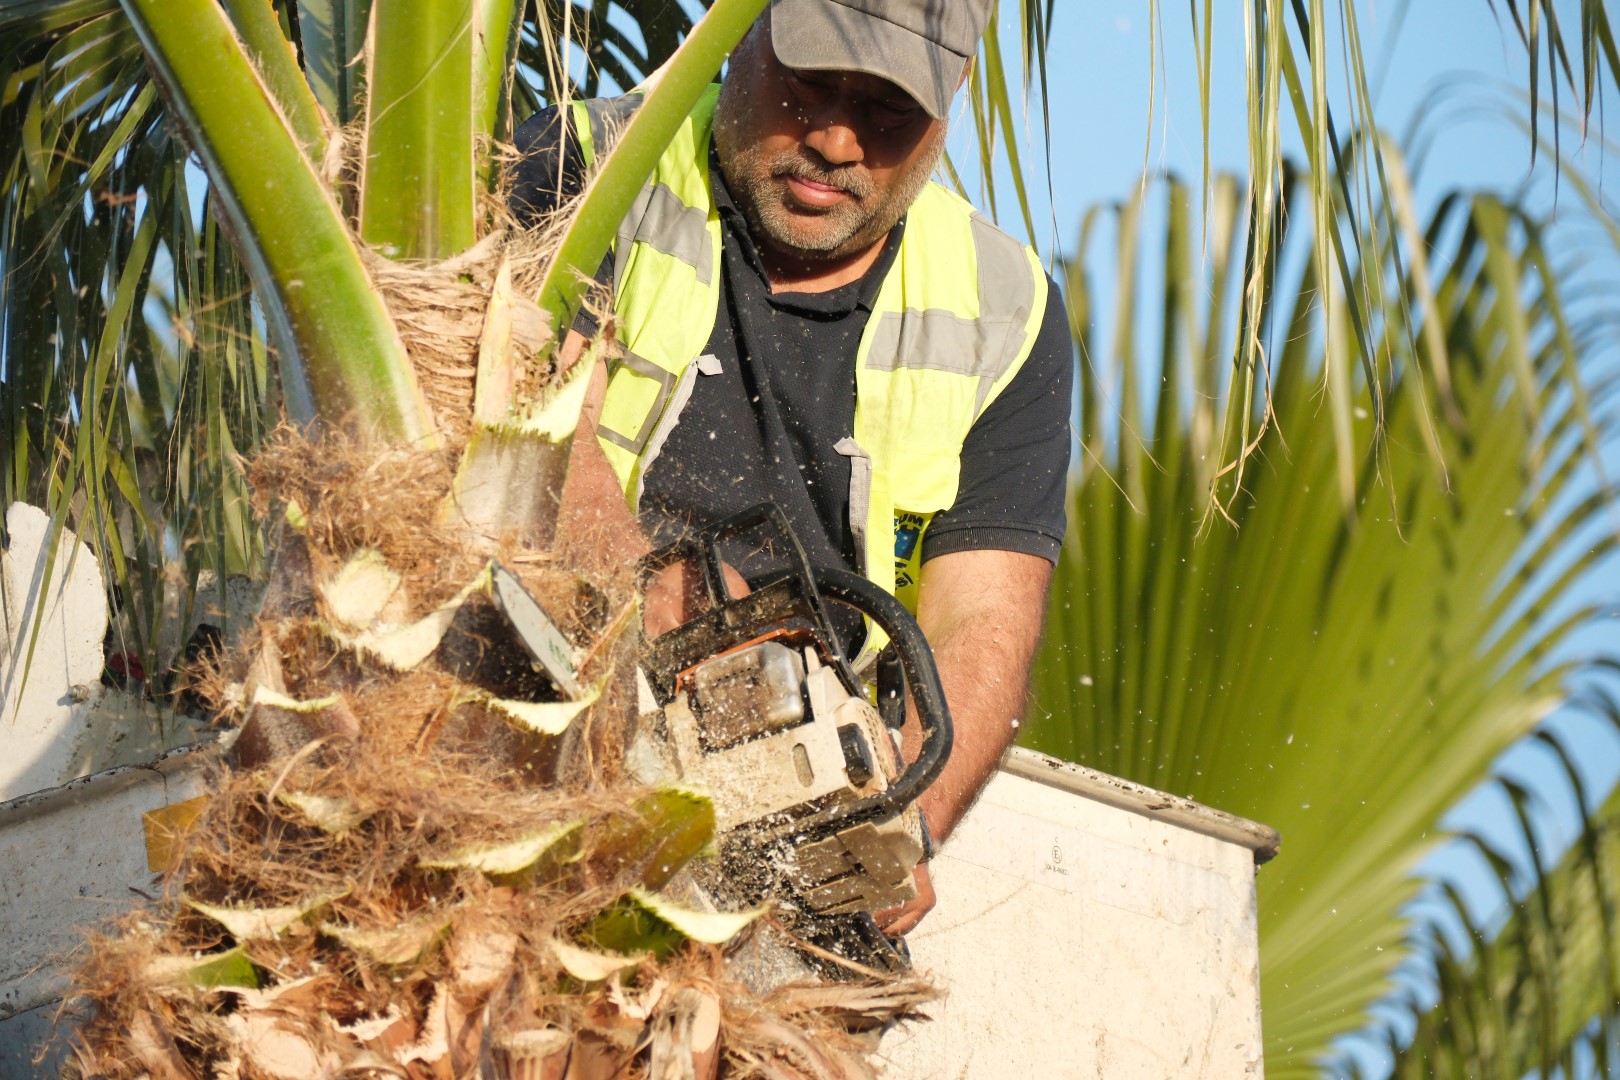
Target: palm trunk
{"type": "Point", "coordinates": [422, 860]}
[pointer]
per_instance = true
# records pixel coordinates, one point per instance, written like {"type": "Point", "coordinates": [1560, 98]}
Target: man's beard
{"type": "Point", "coordinates": [756, 178]}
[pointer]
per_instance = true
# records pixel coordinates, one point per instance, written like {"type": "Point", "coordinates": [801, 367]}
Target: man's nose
{"type": "Point", "coordinates": [832, 134]}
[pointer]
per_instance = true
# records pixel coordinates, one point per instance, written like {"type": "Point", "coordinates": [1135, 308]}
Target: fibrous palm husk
{"type": "Point", "coordinates": [402, 882]}
{"type": "Point", "coordinates": [439, 309]}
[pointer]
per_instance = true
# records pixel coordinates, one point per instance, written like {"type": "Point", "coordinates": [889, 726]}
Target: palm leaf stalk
{"type": "Point", "coordinates": [417, 180]}
{"type": "Point", "coordinates": [340, 352]}
{"type": "Point", "coordinates": [1353, 698]}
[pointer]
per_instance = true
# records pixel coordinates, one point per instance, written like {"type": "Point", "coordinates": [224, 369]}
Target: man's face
{"type": "Point", "coordinates": [824, 163]}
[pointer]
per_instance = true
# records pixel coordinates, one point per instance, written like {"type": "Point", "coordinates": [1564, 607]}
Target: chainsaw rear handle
{"type": "Point", "coordinates": [922, 677]}
{"type": "Point", "coordinates": [796, 594]}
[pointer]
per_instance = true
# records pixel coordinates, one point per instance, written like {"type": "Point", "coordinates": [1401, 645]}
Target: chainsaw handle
{"type": "Point", "coordinates": [922, 677]}
{"type": "Point", "coordinates": [797, 593]}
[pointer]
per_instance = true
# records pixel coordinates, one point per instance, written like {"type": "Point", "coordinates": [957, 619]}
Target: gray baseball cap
{"type": "Point", "coordinates": [922, 46]}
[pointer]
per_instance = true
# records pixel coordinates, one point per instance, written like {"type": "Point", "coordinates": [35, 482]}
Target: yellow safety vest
{"type": "Point", "coordinates": [953, 321]}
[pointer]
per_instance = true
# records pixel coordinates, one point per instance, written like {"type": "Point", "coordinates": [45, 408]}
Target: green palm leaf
{"type": "Point", "coordinates": [1343, 670]}
{"type": "Point", "coordinates": [1540, 987]}
{"type": "Point", "coordinates": [115, 280]}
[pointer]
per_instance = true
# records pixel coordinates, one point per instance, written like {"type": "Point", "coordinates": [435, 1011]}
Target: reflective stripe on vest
{"type": "Point", "coordinates": [666, 267]}
{"type": "Point", "coordinates": [952, 323]}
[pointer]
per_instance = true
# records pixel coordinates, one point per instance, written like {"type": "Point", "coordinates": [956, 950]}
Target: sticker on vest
{"type": "Point", "coordinates": [907, 530]}
{"type": "Point", "coordinates": [708, 364]}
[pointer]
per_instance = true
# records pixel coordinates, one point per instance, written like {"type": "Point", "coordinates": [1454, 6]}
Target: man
{"type": "Point", "coordinates": [805, 318]}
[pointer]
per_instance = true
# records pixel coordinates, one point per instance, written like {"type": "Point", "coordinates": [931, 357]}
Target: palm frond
{"type": "Point", "coordinates": [116, 280]}
{"type": "Point", "coordinates": [1296, 72]}
{"type": "Point", "coordinates": [1342, 669]}
{"type": "Point", "coordinates": [1537, 987]}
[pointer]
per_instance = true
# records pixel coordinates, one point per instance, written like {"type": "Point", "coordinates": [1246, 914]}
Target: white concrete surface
{"type": "Point", "coordinates": [127, 729]}
{"type": "Point", "coordinates": [50, 677]}
{"type": "Point", "coordinates": [70, 858]}
{"type": "Point", "coordinates": [28, 1036]}
{"type": "Point", "coordinates": [1088, 927]}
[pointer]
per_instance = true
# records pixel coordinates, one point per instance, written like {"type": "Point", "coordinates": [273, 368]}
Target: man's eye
{"type": "Point", "coordinates": [890, 114]}
{"type": "Point", "coordinates": [805, 83]}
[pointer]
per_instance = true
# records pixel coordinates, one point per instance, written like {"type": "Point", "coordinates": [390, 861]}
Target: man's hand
{"type": "Point", "coordinates": [676, 595]}
{"type": "Point", "coordinates": [981, 612]}
{"type": "Point", "coordinates": [900, 920]}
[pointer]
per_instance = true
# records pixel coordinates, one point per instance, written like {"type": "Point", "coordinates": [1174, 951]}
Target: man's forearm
{"type": "Point", "coordinates": [982, 613]}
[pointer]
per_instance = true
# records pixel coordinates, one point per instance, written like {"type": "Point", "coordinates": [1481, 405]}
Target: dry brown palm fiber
{"type": "Point", "coordinates": [354, 499]}
{"type": "Point", "coordinates": [439, 309]}
{"type": "Point", "coordinates": [331, 869]}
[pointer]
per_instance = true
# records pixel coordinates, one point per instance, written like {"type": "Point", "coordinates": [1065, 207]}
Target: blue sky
{"type": "Point", "coordinates": [1447, 60]}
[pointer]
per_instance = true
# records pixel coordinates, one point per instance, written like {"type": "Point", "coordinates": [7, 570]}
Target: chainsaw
{"type": "Point", "coordinates": [755, 701]}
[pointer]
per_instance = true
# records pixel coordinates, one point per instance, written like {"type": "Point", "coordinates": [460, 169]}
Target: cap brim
{"type": "Point", "coordinates": [818, 35]}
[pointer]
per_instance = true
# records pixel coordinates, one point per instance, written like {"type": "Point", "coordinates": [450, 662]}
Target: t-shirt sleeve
{"type": "Point", "coordinates": [1015, 461]}
{"type": "Point", "coordinates": [550, 170]}
{"type": "Point", "coordinates": [550, 166]}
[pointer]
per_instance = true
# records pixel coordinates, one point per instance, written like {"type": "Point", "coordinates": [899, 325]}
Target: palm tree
{"type": "Point", "coordinates": [136, 311]}
{"type": "Point", "coordinates": [470, 941]}
{"type": "Point", "coordinates": [1420, 626]}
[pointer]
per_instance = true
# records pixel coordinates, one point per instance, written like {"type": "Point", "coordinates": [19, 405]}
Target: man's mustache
{"type": "Point", "coordinates": [848, 180]}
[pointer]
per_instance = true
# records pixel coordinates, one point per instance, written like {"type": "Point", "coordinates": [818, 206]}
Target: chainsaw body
{"type": "Point", "coordinates": [754, 702]}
